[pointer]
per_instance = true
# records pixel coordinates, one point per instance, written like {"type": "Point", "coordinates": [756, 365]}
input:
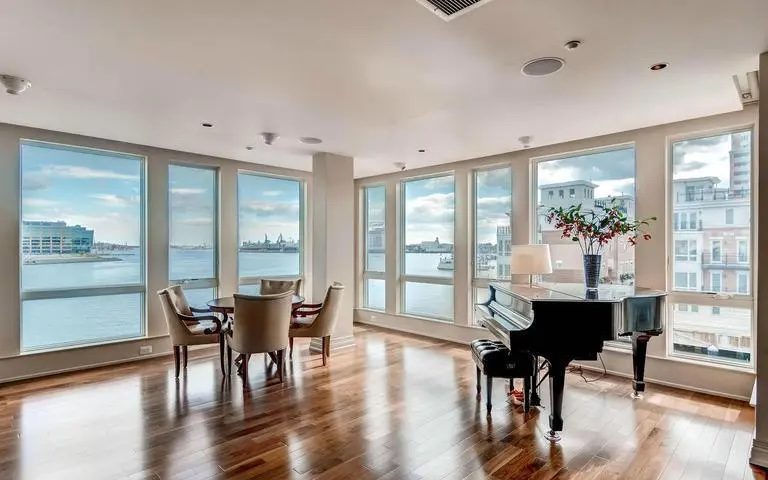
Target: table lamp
{"type": "Point", "coordinates": [532, 259]}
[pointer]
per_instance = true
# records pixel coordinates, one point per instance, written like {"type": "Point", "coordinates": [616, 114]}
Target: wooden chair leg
{"type": "Point", "coordinates": [290, 344]}
{"type": "Point", "coordinates": [479, 389]}
{"type": "Point", "coordinates": [328, 347]}
{"type": "Point", "coordinates": [221, 354]}
{"type": "Point", "coordinates": [324, 349]}
{"type": "Point", "coordinates": [488, 391]}
{"type": "Point", "coordinates": [229, 360]}
{"type": "Point", "coordinates": [244, 366]}
{"type": "Point", "coordinates": [280, 363]}
{"type": "Point", "coordinates": [526, 393]}
{"type": "Point", "coordinates": [176, 359]}
{"type": "Point", "coordinates": [185, 352]}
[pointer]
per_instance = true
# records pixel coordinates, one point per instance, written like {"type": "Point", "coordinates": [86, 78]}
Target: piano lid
{"type": "Point", "coordinates": [575, 292]}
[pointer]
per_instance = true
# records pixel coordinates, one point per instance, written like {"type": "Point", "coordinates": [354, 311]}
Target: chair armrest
{"type": "Point", "coordinates": [200, 310]}
{"type": "Point", "coordinates": [216, 321]}
{"type": "Point", "coordinates": [306, 313]}
{"type": "Point", "coordinates": [311, 305]}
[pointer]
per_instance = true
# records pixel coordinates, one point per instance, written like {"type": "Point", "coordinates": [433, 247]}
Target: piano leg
{"type": "Point", "coordinates": [639, 349]}
{"type": "Point", "coordinates": [556, 388]}
{"type": "Point", "coordinates": [535, 400]}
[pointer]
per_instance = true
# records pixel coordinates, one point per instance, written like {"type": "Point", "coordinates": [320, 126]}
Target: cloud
{"type": "Point", "coordinates": [595, 167]}
{"type": "Point", "coordinates": [197, 221]}
{"type": "Point", "coordinates": [115, 200]}
{"type": "Point", "coordinates": [271, 193]}
{"type": "Point", "coordinates": [430, 216]}
{"type": "Point", "coordinates": [501, 178]}
{"type": "Point", "coordinates": [270, 209]}
{"type": "Point", "coordinates": [85, 173]}
{"type": "Point", "coordinates": [35, 182]}
{"type": "Point", "coordinates": [187, 191]}
{"type": "Point", "coordinates": [39, 202]}
{"type": "Point", "coordinates": [437, 183]}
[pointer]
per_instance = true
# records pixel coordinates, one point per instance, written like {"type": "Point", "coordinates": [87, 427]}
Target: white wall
{"type": "Point", "coordinates": [651, 150]}
{"type": "Point", "coordinates": [12, 364]}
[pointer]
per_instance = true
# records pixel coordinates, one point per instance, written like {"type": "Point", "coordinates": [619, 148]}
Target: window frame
{"type": "Point", "coordinates": [475, 281]}
{"type": "Point", "coordinates": [403, 277]}
{"type": "Point", "coordinates": [709, 299]}
{"type": "Point", "coordinates": [198, 283]}
{"type": "Point", "coordinates": [372, 274]}
{"type": "Point", "coordinates": [256, 280]}
{"type": "Point", "coordinates": [95, 291]}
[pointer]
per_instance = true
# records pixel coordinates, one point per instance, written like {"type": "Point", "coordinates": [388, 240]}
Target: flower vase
{"type": "Point", "coordinates": [592, 271]}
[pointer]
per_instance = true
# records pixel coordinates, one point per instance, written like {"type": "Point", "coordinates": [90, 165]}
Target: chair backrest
{"type": "Point", "coordinates": [329, 314]}
{"type": "Point", "coordinates": [179, 300]}
{"type": "Point", "coordinates": [261, 322]}
{"type": "Point", "coordinates": [177, 330]}
{"type": "Point", "coordinates": [271, 287]}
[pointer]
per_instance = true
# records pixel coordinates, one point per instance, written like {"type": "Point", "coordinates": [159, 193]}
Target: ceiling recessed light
{"type": "Point", "coordinates": [659, 66]}
{"type": "Point", "coordinates": [422, 150]}
{"type": "Point", "coordinates": [310, 140]}
{"type": "Point", "coordinates": [572, 44]}
{"type": "Point", "coordinates": [249, 147]}
{"type": "Point", "coordinates": [14, 85]}
{"type": "Point", "coordinates": [207, 124]}
{"type": "Point", "coordinates": [540, 67]}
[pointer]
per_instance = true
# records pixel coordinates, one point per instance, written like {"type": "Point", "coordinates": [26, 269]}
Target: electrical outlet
{"type": "Point", "coordinates": [145, 349]}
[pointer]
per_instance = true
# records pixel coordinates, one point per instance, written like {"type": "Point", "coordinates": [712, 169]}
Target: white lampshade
{"type": "Point", "coordinates": [529, 259]}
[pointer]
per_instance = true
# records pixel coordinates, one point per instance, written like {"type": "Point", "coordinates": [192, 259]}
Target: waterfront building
{"type": "Point", "coordinates": [55, 238]}
{"type": "Point", "coordinates": [280, 245]}
{"type": "Point", "coordinates": [375, 237]}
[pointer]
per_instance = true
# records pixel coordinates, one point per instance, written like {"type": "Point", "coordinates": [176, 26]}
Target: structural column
{"type": "Point", "coordinates": [760, 444]}
{"type": "Point", "coordinates": [333, 238]}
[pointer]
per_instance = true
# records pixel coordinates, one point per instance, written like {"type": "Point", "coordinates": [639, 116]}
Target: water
{"type": "Point", "coordinates": [56, 322]}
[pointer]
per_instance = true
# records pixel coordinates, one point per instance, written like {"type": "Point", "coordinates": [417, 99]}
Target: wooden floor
{"type": "Point", "coordinates": [393, 407]}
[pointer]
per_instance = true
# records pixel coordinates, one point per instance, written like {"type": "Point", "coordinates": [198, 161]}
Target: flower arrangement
{"type": "Point", "coordinates": [593, 229]}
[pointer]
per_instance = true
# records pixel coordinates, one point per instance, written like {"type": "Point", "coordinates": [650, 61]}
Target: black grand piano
{"type": "Point", "coordinates": [566, 322]}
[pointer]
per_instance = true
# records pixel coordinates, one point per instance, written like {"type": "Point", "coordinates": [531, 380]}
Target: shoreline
{"type": "Point", "coordinates": [52, 259]}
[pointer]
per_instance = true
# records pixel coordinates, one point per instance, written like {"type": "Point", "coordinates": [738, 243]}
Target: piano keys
{"type": "Point", "coordinates": [566, 322]}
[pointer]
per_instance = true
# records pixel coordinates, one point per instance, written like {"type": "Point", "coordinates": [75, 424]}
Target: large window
{"type": "Point", "coordinates": [270, 228]}
{"type": "Point", "coordinates": [374, 291]}
{"type": "Point", "coordinates": [596, 178]}
{"type": "Point", "coordinates": [193, 232]}
{"type": "Point", "coordinates": [427, 253]}
{"type": "Point", "coordinates": [493, 230]}
{"type": "Point", "coordinates": [82, 246]}
{"type": "Point", "coordinates": [707, 183]}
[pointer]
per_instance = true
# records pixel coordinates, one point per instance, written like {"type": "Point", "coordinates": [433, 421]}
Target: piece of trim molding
{"type": "Point", "coordinates": [759, 454]}
{"type": "Point", "coordinates": [337, 343]}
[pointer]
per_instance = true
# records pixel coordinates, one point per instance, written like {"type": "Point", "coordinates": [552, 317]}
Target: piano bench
{"type": "Point", "coordinates": [493, 359]}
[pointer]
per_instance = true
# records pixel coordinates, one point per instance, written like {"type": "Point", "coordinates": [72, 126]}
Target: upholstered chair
{"type": "Point", "coordinates": [318, 320]}
{"type": "Point", "coordinates": [271, 287]}
{"type": "Point", "coordinates": [260, 325]}
{"type": "Point", "coordinates": [186, 328]}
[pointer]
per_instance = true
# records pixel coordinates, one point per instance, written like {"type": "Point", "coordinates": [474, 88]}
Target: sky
{"type": "Point", "coordinates": [704, 157]}
{"type": "Point", "coordinates": [268, 206]}
{"type": "Point", "coordinates": [97, 190]}
{"type": "Point", "coordinates": [192, 193]}
{"type": "Point", "coordinates": [429, 206]}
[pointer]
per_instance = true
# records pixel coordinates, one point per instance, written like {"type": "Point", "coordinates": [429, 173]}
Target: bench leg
{"type": "Point", "coordinates": [488, 391]}
{"type": "Point", "coordinates": [526, 393]}
{"type": "Point", "coordinates": [479, 389]}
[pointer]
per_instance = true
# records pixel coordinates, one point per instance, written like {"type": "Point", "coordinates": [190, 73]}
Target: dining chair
{"type": "Point", "coordinates": [317, 320]}
{"type": "Point", "coordinates": [186, 328]}
{"type": "Point", "coordinates": [260, 325]}
{"type": "Point", "coordinates": [271, 287]}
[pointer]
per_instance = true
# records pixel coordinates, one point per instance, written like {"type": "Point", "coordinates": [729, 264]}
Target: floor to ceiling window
{"type": "Point", "coordinates": [374, 291]}
{"type": "Point", "coordinates": [427, 247]}
{"type": "Point", "coordinates": [492, 228]}
{"type": "Point", "coordinates": [193, 231]}
{"type": "Point", "coordinates": [82, 246]}
{"type": "Point", "coordinates": [270, 228]}
{"type": "Point", "coordinates": [592, 179]}
{"type": "Point", "coordinates": [711, 197]}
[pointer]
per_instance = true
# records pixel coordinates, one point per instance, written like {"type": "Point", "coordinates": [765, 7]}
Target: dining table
{"type": "Point", "coordinates": [226, 307]}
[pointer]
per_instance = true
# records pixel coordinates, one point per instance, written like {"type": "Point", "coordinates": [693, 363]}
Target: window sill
{"type": "Point", "coordinates": [411, 316]}
{"type": "Point", "coordinates": [83, 346]}
{"type": "Point", "coordinates": [617, 348]}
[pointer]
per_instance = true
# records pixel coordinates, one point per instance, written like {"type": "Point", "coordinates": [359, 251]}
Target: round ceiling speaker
{"type": "Point", "coordinates": [540, 67]}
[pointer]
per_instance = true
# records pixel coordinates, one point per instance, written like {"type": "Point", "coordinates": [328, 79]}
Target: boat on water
{"type": "Point", "coordinates": [446, 263]}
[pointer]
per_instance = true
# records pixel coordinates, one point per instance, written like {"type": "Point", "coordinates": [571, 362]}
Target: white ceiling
{"type": "Point", "coordinates": [375, 79]}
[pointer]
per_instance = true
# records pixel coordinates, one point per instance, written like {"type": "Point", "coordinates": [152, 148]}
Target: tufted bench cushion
{"type": "Point", "coordinates": [493, 359]}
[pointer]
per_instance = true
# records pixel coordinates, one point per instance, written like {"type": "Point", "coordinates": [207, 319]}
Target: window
{"type": "Point", "coordinates": [374, 294]}
{"type": "Point", "coordinates": [716, 281]}
{"type": "Point", "coordinates": [685, 250]}
{"type": "Point", "coordinates": [193, 231]}
{"type": "Point", "coordinates": [427, 256]}
{"type": "Point", "coordinates": [493, 232]}
{"type": "Point", "coordinates": [270, 228]}
{"type": "Point", "coordinates": [704, 177]}
{"type": "Point", "coordinates": [605, 176]}
{"type": "Point", "coordinates": [82, 246]}
{"type": "Point", "coordinates": [572, 193]}
{"type": "Point", "coordinates": [560, 193]}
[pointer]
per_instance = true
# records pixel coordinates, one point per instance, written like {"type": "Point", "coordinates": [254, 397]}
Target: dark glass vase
{"type": "Point", "coordinates": [592, 271]}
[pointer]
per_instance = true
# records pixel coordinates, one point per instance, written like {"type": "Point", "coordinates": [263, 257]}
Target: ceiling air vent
{"type": "Point", "coordinates": [450, 9]}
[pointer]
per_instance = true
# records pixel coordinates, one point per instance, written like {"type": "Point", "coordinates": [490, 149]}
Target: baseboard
{"type": "Point", "coordinates": [759, 455]}
{"type": "Point", "coordinates": [664, 383]}
{"type": "Point", "coordinates": [337, 343]}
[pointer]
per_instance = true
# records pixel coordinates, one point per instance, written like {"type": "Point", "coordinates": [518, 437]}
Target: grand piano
{"type": "Point", "coordinates": [566, 322]}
